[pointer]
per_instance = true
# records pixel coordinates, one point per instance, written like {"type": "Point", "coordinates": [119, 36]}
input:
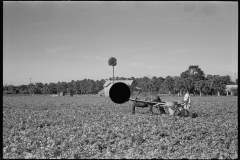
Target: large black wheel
{"type": "Point", "coordinates": [184, 113]}
{"type": "Point", "coordinates": [162, 110]}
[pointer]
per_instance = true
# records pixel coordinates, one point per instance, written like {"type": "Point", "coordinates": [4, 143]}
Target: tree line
{"type": "Point", "coordinates": [86, 86]}
{"type": "Point", "coordinates": [193, 79]}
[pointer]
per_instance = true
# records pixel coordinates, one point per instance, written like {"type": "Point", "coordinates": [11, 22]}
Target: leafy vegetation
{"type": "Point", "coordinates": [235, 92]}
{"type": "Point", "coordinates": [95, 127]}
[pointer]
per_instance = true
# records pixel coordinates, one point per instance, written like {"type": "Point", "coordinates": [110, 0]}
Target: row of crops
{"type": "Point", "coordinates": [95, 127]}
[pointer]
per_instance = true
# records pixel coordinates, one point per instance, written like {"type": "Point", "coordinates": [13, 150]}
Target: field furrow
{"type": "Point", "coordinates": [95, 127]}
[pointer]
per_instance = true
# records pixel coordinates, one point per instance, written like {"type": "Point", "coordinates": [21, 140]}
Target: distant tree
{"type": "Point", "coordinates": [149, 84]}
{"type": "Point", "coordinates": [218, 85]}
{"type": "Point", "coordinates": [103, 81]}
{"type": "Point", "coordinates": [11, 89]}
{"type": "Point", "coordinates": [236, 81]}
{"type": "Point", "coordinates": [235, 91]}
{"type": "Point", "coordinates": [17, 91]}
{"type": "Point", "coordinates": [133, 78]}
{"type": "Point", "coordinates": [98, 86]}
{"type": "Point", "coordinates": [45, 89]}
{"type": "Point", "coordinates": [75, 87]}
{"type": "Point", "coordinates": [160, 81]}
{"type": "Point", "coordinates": [120, 78]}
{"type": "Point", "coordinates": [112, 62]}
{"type": "Point", "coordinates": [69, 87]}
{"type": "Point", "coordinates": [185, 74]}
{"type": "Point", "coordinates": [169, 83]}
{"type": "Point", "coordinates": [23, 89]}
{"type": "Point", "coordinates": [215, 76]}
{"type": "Point", "coordinates": [206, 90]}
{"type": "Point", "coordinates": [178, 85]}
{"type": "Point", "coordinates": [52, 88]}
{"type": "Point", "coordinates": [81, 87]}
{"type": "Point", "coordinates": [209, 77]}
{"type": "Point", "coordinates": [29, 87]}
{"type": "Point", "coordinates": [91, 88]}
{"type": "Point", "coordinates": [195, 73]}
{"type": "Point", "coordinates": [210, 84]}
{"type": "Point", "coordinates": [226, 79]}
{"type": "Point", "coordinates": [38, 88]}
{"type": "Point", "coordinates": [154, 84]}
{"type": "Point", "coordinates": [64, 87]}
{"type": "Point", "coordinates": [84, 86]}
{"type": "Point", "coordinates": [8, 89]}
{"type": "Point", "coordinates": [59, 87]}
{"type": "Point", "coordinates": [34, 90]}
{"type": "Point", "coordinates": [232, 83]}
{"type": "Point", "coordinates": [188, 84]}
{"type": "Point", "coordinates": [199, 86]}
{"type": "Point", "coordinates": [5, 88]}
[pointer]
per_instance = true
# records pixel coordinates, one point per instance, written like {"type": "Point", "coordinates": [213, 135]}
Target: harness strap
{"type": "Point", "coordinates": [135, 99]}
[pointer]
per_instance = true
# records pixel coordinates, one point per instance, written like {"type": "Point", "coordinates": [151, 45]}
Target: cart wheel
{"type": "Point", "coordinates": [176, 112]}
{"type": "Point", "coordinates": [184, 112]}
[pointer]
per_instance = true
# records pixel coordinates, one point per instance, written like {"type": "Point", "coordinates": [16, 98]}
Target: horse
{"type": "Point", "coordinates": [143, 96]}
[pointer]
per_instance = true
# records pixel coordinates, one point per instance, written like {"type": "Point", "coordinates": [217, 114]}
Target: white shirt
{"type": "Point", "coordinates": [187, 98]}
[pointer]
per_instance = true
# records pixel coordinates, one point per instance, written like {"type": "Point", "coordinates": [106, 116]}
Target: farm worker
{"type": "Point", "coordinates": [187, 101]}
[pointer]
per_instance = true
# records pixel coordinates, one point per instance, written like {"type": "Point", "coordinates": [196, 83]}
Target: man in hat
{"type": "Point", "coordinates": [187, 101]}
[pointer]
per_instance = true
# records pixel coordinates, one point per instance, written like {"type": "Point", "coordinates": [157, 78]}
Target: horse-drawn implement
{"type": "Point", "coordinates": [172, 108]}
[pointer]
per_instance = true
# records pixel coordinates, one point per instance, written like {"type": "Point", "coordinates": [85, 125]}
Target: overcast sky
{"type": "Point", "coordinates": [64, 41]}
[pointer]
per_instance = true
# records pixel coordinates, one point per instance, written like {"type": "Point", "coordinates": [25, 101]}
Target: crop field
{"type": "Point", "coordinates": [95, 127]}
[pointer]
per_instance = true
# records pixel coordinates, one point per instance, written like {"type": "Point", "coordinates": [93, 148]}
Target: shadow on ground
{"type": "Point", "coordinates": [194, 115]}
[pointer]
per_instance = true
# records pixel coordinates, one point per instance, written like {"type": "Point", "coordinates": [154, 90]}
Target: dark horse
{"type": "Point", "coordinates": [152, 97]}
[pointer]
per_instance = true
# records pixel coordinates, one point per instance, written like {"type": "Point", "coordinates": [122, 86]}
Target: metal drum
{"type": "Point", "coordinates": [171, 106]}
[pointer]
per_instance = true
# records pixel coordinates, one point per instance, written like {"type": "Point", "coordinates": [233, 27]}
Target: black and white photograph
{"type": "Point", "coordinates": [120, 80]}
